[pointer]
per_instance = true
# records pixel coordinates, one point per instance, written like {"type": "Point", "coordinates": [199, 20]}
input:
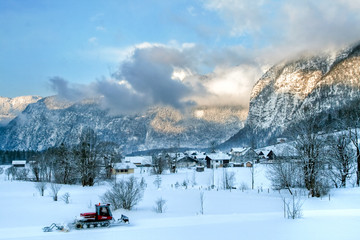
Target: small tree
{"type": "Point", "coordinates": [11, 171]}
{"type": "Point", "coordinates": [55, 188]}
{"type": "Point", "coordinates": [157, 181]}
{"type": "Point", "coordinates": [66, 198]}
{"type": "Point", "coordinates": [159, 163]}
{"type": "Point", "coordinates": [202, 198]}
{"type": "Point", "coordinates": [22, 174]}
{"type": "Point", "coordinates": [340, 160]}
{"type": "Point", "coordinates": [284, 175]}
{"type": "Point", "coordinates": [160, 205]}
{"type": "Point", "coordinates": [124, 194]}
{"type": "Point", "coordinates": [228, 179]}
{"type": "Point", "coordinates": [41, 186]}
{"type": "Point", "coordinates": [293, 206]}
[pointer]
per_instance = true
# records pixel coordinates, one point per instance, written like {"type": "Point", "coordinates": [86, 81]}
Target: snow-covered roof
{"type": "Point", "coordinates": [283, 149]}
{"type": "Point", "coordinates": [126, 165]}
{"type": "Point", "coordinates": [218, 156]}
{"type": "Point", "coordinates": [240, 149]}
{"type": "Point", "coordinates": [18, 162]}
{"type": "Point", "coordinates": [139, 160]}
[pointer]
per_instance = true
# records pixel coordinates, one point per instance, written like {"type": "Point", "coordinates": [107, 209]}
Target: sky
{"type": "Point", "coordinates": [135, 54]}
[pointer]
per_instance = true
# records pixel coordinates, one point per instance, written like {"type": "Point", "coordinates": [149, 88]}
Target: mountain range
{"type": "Point", "coordinates": [322, 84]}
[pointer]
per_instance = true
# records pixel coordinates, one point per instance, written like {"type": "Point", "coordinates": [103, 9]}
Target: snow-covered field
{"type": "Point", "coordinates": [236, 214]}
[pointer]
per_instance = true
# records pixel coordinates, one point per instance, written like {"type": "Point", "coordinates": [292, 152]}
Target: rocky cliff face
{"type": "Point", "coordinates": [11, 107]}
{"type": "Point", "coordinates": [312, 85]}
{"type": "Point", "coordinates": [50, 122]}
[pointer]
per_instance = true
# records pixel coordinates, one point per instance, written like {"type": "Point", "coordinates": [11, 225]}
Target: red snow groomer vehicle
{"type": "Point", "coordinates": [102, 217]}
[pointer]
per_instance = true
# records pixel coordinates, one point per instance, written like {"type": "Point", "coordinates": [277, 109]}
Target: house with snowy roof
{"type": "Point", "coordinates": [18, 163]}
{"type": "Point", "coordinates": [218, 159]}
{"type": "Point", "coordinates": [139, 161]}
{"type": "Point", "coordinates": [239, 156]}
{"type": "Point", "coordinates": [123, 168]}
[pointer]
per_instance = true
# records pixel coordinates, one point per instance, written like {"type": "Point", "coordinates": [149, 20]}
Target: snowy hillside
{"type": "Point", "coordinates": [249, 214]}
{"type": "Point", "coordinates": [310, 84]}
{"type": "Point", "coordinates": [11, 107]}
{"type": "Point", "coordinates": [291, 91]}
{"type": "Point", "coordinates": [50, 122]}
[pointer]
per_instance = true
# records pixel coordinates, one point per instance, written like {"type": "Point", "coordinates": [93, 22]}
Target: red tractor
{"type": "Point", "coordinates": [102, 217]}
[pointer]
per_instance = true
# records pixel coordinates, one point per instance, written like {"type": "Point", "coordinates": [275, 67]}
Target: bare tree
{"type": "Point", "coordinates": [284, 175]}
{"type": "Point", "coordinates": [41, 186]}
{"type": "Point", "coordinates": [340, 159]}
{"type": "Point", "coordinates": [88, 157]}
{"type": "Point", "coordinates": [66, 198]}
{"type": "Point", "coordinates": [310, 148]}
{"type": "Point", "coordinates": [11, 171]}
{"type": "Point", "coordinates": [157, 181]}
{"type": "Point", "coordinates": [55, 188]}
{"type": "Point", "coordinates": [202, 199]}
{"type": "Point", "coordinates": [160, 205]}
{"type": "Point", "coordinates": [355, 137]}
{"type": "Point", "coordinates": [159, 163]}
{"type": "Point", "coordinates": [125, 194]}
{"type": "Point", "coordinates": [293, 206]}
{"type": "Point", "coordinates": [65, 167]}
{"type": "Point", "coordinates": [228, 179]}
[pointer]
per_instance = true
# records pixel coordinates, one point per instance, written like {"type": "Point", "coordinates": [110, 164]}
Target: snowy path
{"type": "Point", "coordinates": [324, 224]}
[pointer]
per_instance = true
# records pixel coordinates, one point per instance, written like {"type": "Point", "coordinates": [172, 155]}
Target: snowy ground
{"type": "Point", "coordinates": [249, 214]}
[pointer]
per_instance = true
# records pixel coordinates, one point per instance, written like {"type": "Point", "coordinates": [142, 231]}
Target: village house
{"type": "Point", "coordinates": [123, 168]}
{"type": "Point", "coordinates": [18, 163]}
{"type": "Point", "coordinates": [186, 162]}
{"type": "Point", "coordinates": [217, 160]}
{"type": "Point", "coordinates": [139, 161]}
{"type": "Point", "coordinates": [239, 156]}
{"type": "Point", "coordinates": [267, 155]}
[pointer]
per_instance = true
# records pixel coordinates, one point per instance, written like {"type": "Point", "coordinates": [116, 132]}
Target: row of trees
{"type": "Point", "coordinates": [85, 162]}
{"type": "Point", "coordinates": [325, 161]}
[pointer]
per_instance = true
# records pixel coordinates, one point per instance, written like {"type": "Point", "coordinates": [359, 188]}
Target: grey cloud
{"type": "Point", "coordinates": [149, 72]}
{"type": "Point", "coordinates": [281, 29]}
{"type": "Point", "coordinates": [62, 88]}
{"type": "Point", "coordinates": [142, 81]}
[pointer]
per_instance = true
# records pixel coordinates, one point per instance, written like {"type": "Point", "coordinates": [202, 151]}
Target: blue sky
{"type": "Point", "coordinates": [74, 39]}
{"type": "Point", "coordinates": [51, 47]}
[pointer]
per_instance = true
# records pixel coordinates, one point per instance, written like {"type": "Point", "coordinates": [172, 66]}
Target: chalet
{"type": "Point", "coordinates": [267, 155]}
{"type": "Point", "coordinates": [242, 155]}
{"type": "Point", "coordinates": [139, 161]}
{"type": "Point", "coordinates": [19, 163]}
{"type": "Point", "coordinates": [186, 162]}
{"type": "Point", "coordinates": [123, 168]}
{"type": "Point", "coordinates": [217, 160]}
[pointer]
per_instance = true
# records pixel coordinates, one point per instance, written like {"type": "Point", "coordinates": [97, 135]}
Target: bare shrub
{"type": "Point", "coordinates": [41, 186]}
{"type": "Point", "coordinates": [124, 194]}
{"type": "Point", "coordinates": [66, 198]}
{"type": "Point", "coordinates": [202, 198]}
{"type": "Point", "coordinates": [160, 205]}
{"type": "Point", "coordinates": [157, 181]}
{"type": "Point", "coordinates": [293, 206]}
{"type": "Point", "coordinates": [243, 186]}
{"type": "Point", "coordinates": [228, 179]}
{"type": "Point", "coordinates": [55, 188]}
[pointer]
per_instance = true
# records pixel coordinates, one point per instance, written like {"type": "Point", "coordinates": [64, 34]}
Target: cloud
{"type": "Point", "coordinates": [150, 74]}
{"type": "Point", "coordinates": [71, 93]}
{"type": "Point", "coordinates": [291, 26]}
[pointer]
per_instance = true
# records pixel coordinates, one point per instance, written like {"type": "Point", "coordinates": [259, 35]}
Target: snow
{"type": "Point", "coordinates": [235, 214]}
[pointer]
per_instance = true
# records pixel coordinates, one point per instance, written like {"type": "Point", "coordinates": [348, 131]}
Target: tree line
{"type": "Point", "coordinates": [325, 160]}
{"type": "Point", "coordinates": [84, 163]}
